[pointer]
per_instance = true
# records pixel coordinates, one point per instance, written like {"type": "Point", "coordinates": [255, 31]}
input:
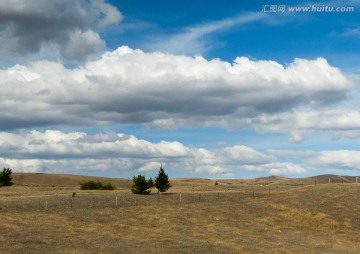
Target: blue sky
{"type": "Point", "coordinates": [214, 89]}
{"type": "Point", "coordinates": [281, 36]}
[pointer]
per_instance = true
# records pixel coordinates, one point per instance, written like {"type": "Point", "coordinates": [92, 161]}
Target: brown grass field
{"type": "Point", "coordinates": [268, 215]}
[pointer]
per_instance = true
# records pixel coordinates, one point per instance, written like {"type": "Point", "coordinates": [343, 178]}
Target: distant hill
{"type": "Point", "coordinates": [334, 179]}
{"type": "Point", "coordinates": [65, 180]}
{"type": "Point", "coordinates": [75, 180]}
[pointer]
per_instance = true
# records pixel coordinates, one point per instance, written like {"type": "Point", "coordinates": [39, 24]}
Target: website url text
{"type": "Point", "coordinates": [312, 8]}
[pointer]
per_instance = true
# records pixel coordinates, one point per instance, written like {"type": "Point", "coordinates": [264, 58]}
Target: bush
{"type": "Point", "coordinates": [141, 185]}
{"type": "Point", "coordinates": [91, 185]}
{"type": "Point", "coordinates": [5, 177]}
{"type": "Point", "coordinates": [108, 187]}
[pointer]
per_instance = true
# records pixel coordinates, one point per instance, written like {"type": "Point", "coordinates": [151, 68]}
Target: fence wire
{"type": "Point", "coordinates": [113, 200]}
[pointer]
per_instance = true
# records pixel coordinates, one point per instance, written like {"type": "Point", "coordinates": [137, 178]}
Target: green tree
{"type": "Point", "coordinates": [141, 185]}
{"type": "Point", "coordinates": [5, 177]}
{"type": "Point", "coordinates": [162, 182]}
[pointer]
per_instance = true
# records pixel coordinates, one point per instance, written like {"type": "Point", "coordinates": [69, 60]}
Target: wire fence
{"type": "Point", "coordinates": [112, 199]}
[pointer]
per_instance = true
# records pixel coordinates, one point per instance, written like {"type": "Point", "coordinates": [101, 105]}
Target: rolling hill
{"type": "Point", "coordinates": [75, 180]}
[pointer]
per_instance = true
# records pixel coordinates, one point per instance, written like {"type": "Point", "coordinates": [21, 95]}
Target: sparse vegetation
{"type": "Point", "coordinates": [5, 177]}
{"type": "Point", "coordinates": [162, 182]}
{"type": "Point", "coordinates": [321, 219]}
{"type": "Point", "coordinates": [92, 185]}
{"type": "Point", "coordinates": [141, 185]}
{"type": "Point", "coordinates": [293, 218]}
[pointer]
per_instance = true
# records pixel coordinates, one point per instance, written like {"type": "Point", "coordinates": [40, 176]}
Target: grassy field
{"type": "Point", "coordinates": [244, 216]}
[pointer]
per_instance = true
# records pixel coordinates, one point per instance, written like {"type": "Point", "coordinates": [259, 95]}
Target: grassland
{"type": "Point", "coordinates": [272, 215]}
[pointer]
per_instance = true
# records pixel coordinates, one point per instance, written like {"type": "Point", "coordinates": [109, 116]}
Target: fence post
{"type": "Point", "coordinates": [46, 205]}
{"type": "Point", "coordinates": [357, 179]}
{"type": "Point", "coordinates": [116, 200]}
{"type": "Point", "coordinates": [329, 180]}
{"type": "Point", "coordinates": [180, 197]}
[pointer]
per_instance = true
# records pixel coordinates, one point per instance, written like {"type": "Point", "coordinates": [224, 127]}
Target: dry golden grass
{"type": "Point", "coordinates": [234, 217]}
{"type": "Point", "coordinates": [36, 179]}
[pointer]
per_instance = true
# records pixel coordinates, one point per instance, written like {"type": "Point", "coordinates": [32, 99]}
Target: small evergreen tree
{"type": "Point", "coordinates": [162, 182]}
{"type": "Point", "coordinates": [5, 177]}
{"type": "Point", "coordinates": [141, 185]}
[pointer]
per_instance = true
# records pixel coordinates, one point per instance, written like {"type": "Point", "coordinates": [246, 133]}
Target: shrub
{"type": "Point", "coordinates": [91, 185]}
{"type": "Point", "coordinates": [108, 187]}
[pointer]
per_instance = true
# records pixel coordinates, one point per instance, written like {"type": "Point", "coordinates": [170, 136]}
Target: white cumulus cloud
{"type": "Point", "coordinates": [333, 160]}
{"type": "Point", "coordinates": [77, 152]}
{"type": "Point", "coordinates": [162, 90]}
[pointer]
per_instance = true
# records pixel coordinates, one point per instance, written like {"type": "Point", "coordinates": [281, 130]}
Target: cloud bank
{"type": "Point", "coordinates": [158, 90]}
{"type": "Point", "coordinates": [329, 160]}
{"type": "Point", "coordinates": [168, 91]}
{"type": "Point", "coordinates": [56, 151]}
